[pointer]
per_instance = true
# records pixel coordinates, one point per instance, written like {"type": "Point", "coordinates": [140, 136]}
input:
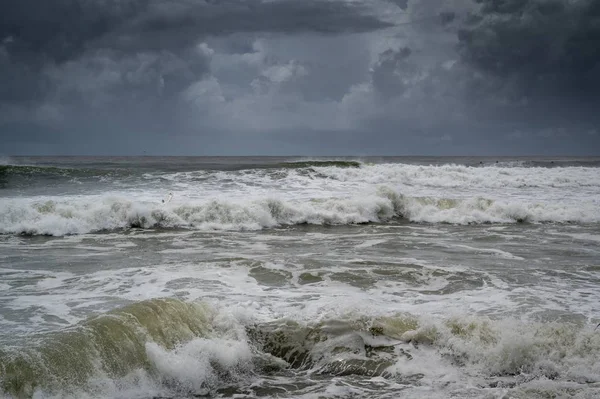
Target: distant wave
{"type": "Point", "coordinates": [8, 171]}
{"type": "Point", "coordinates": [16, 173]}
{"type": "Point", "coordinates": [31, 170]}
{"type": "Point", "coordinates": [468, 177]}
{"type": "Point", "coordinates": [181, 349]}
{"type": "Point", "coordinates": [59, 217]}
{"type": "Point", "coordinates": [513, 173]}
{"type": "Point", "coordinates": [308, 164]}
{"type": "Point", "coordinates": [546, 163]}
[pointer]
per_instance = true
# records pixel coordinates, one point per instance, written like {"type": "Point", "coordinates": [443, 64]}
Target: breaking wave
{"type": "Point", "coordinates": [143, 338]}
{"type": "Point", "coordinates": [467, 177]}
{"type": "Point", "coordinates": [84, 215]}
{"type": "Point", "coordinates": [21, 176]}
{"type": "Point", "coordinates": [171, 348]}
{"type": "Point", "coordinates": [8, 170]}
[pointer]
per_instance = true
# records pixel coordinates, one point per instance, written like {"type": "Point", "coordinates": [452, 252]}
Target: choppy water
{"type": "Point", "coordinates": [313, 278]}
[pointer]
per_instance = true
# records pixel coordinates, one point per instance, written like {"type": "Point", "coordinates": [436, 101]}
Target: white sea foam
{"type": "Point", "coordinates": [462, 356]}
{"type": "Point", "coordinates": [581, 236]}
{"type": "Point", "coordinates": [257, 199]}
{"type": "Point", "coordinates": [453, 348]}
{"type": "Point", "coordinates": [194, 366]}
{"type": "Point", "coordinates": [441, 298]}
{"type": "Point", "coordinates": [78, 215]}
{"type": "Point", "coordinates": [369, 243]}
{"type": "Point", "coordinates": [490, 251]}
{"type": "Point", "coordinates": [455, 176]}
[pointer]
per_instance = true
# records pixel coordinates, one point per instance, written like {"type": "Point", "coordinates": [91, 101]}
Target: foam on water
{"type": "Point", "coordinates": [172, 348]}
{"type": "Point", "coordinates": [265, 198]}
{"type": "Point", "coordinates": [62, 216]}
{"type": "Point", "coordinates": [455, 176]}
{"type": "Point", "coordinates": [491, 291]}
{"type": "Point", "coordinates": [52, 299]}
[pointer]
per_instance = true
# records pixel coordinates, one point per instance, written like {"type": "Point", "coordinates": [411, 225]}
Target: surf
{"type": "Point", "coordinates": [64, 216]}
{"type": "Point", "coordinates": [169, 347]}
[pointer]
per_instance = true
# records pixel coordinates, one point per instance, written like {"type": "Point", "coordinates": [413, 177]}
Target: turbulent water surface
{"type": "Point", "coordinates": [292, 277]}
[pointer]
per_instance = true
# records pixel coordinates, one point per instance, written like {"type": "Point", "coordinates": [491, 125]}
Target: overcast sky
{"type": "Point", "coordinates": [300, 77]}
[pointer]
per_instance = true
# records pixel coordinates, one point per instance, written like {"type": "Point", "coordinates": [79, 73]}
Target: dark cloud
{"type": "Point", "coordinates": [519, 65]}
{"type": "Point", "coordinates": [283, 74]}
{"type": "Point", "coordinates": [393, 72]}
{"type": "Point", "coordinates": [539, 50]}
{"type": "Point", "coordinates": [403, 4]}
{"type": "Point", "coordinates": [230, 16]}
{"type": "Point", "coordinates": [131, 53]}
{"type": "Point", "coordinates": [62, 29]}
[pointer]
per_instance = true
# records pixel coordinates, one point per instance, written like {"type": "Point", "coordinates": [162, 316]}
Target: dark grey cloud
{"type": "Point", "coordinates": [35, 33]}
{"type": "Point", "coordinates": [526, 66]}
{"type": "Point", "coordinates": [231, 16]}
{"type": "Point", "coordinates": [331, 75]}
{"type": "Point", "coordinates": [403, 4]}
{"type": "Point", "coordinates": [537, 54]}
{"type": "Point", "coordinates": [59, 30]}
{"type": "Point", "coordinates": [393, 72]}
{"type": "Point", "coordinates": [136, 55]}
{"type": "Point", "coordinates": [62, 29]}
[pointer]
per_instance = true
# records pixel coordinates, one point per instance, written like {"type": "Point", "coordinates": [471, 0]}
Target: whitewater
{"type": "Point", "coordinates": [182, 277]}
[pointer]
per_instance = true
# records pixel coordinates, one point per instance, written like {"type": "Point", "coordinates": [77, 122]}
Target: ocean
{"type": "Point", "coordinates": [294, 277]}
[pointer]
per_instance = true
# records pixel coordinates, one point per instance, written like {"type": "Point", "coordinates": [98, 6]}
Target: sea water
{"type": "Point", "coordinates": [300, 277]}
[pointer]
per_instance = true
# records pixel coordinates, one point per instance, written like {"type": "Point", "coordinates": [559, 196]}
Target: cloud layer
{"type": "Point", "coordinates": [299, 76]}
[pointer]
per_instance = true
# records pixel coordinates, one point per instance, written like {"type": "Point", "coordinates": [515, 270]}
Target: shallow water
{"type": "Point", "coordinates": [297, 278]}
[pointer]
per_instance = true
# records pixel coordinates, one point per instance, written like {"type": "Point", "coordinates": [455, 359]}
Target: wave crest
{"type": "Point", "coordinates": [84, 215]}
{"type": "Point", "coordinates": [111, 345]}
{"type": "Point", "coordinates": [172, 347]}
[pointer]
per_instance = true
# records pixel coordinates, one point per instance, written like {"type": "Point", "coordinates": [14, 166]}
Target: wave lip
{"type": "Point", "coordinates": [108, 346]}
{"type": "Point", "coordinates": [80, 215]}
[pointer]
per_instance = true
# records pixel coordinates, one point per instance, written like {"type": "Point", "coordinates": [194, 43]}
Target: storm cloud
{"type": "Point", "coordinates": [540, 54]}
{"type": "Point", "coordinates": [299, 76]}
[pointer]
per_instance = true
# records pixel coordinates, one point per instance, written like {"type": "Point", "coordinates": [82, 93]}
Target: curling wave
{"type": "Point", "coordinates": [137, 344]}
{"type": "Point", "coordinates": [171, 348]}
